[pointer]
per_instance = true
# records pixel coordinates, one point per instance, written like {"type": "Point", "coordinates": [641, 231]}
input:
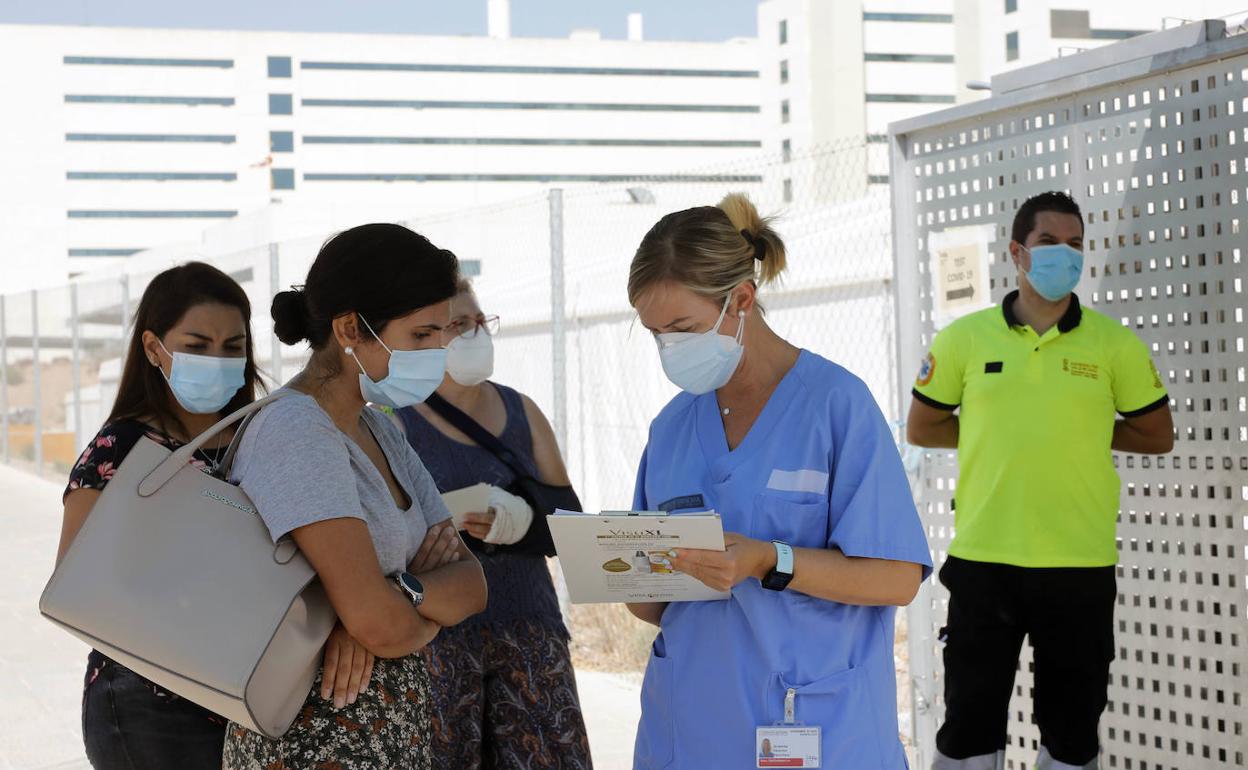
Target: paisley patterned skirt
{"type": "Point", "coordinates": [387, 728]}
{"type": "Point", "coordinates": [504, 698]}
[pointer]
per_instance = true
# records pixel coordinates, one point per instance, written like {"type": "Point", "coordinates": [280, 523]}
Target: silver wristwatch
{"type": "Point", "coordinates": [411, 588]}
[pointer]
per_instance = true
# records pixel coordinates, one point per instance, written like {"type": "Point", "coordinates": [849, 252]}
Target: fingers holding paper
{"type": "Point", "coordinates": [741, 558]}
{"type": "Point", "coordinates": [479, 524]}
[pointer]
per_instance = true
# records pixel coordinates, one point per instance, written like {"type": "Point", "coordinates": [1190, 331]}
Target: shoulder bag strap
{"type": "Point", "coordinates": [161, 474]}
{"type": "Point", "coordinates": [475, 431]}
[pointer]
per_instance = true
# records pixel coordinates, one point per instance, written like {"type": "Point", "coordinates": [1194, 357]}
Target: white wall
{"type": "Point", "coordinates": [36, 234]}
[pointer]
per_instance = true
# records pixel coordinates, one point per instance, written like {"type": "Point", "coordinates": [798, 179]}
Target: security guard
{"type": "Point", "coordinates": [1027, 393]}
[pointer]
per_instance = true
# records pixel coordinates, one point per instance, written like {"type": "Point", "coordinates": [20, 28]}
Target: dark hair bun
{"type": "Point", "coordinates": [290, 317]}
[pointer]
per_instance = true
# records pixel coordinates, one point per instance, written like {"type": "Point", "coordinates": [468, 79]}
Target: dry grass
{"type": "Point", "coordinates": [606, 637]}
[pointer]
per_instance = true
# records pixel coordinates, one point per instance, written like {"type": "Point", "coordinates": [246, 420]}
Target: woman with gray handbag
{"type": "Point", "coordinates": [188, 364]}
{"type": "Point", "coordinates": [342, 482]}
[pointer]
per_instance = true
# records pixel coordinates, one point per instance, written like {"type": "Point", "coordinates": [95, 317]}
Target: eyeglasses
{"type": "Point", "coordinates": [469, 328]}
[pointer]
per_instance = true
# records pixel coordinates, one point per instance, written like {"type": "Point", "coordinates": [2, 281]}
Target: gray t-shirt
{"type": "Point", "coordinates": [298, 468]}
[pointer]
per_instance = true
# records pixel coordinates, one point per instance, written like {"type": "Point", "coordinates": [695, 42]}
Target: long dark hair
{"type": "Point", "coordinates": [380, 272]}
{"type": "Point", "coordinates": [143, 391]}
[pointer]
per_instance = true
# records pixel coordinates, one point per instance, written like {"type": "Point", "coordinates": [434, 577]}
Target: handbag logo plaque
{"type": "Point", "coordinates": [244, 508]}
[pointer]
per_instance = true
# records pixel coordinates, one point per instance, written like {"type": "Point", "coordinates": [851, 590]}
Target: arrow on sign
{"type": "Point", "coordinates": [965, 292]}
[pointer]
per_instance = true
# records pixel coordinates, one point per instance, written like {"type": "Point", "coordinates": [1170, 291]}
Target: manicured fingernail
{"type": "Point", "coordinates": [339, 703]}
{"type": "Point", "coordinates": [351, 700]}
{"type": "Point", "coordinates": [324, 694]}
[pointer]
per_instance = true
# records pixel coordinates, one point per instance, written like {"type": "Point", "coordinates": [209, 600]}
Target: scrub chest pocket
{"type": "Point", "coordinates": [799, 519]}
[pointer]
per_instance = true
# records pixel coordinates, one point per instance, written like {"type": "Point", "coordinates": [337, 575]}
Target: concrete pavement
{"type": "Point", "coordinates": [41, 667]}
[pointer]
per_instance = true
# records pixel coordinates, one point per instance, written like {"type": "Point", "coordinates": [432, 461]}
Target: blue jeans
{"type": "Point", "coordinates": [128, 723]}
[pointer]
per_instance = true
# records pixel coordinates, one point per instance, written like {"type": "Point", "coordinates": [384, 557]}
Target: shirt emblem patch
{"type": "Point", "coordinates": [1078, 369]}
{"type": "Point", "coordinates": [927, 370]}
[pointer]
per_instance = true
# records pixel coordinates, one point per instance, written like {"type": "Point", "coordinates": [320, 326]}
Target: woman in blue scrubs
{"type": "Point", "coordinates": [822, 538]}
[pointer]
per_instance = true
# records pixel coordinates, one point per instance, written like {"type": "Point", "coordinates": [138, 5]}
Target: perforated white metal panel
{"type": "Point", "coordinates": [1159, 163]}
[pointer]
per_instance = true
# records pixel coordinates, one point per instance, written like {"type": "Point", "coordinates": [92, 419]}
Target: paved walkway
{"type": "Point", "coordinates": [41, 667]}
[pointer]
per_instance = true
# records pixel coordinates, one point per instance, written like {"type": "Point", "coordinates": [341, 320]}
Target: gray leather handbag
{"type": "Point", "coordinates": [175, 576]}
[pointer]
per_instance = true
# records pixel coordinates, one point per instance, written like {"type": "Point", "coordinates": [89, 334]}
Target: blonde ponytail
{"type": "Point", "coordinates": [769, 249]}
{"type": "Point", "coordinates": [710, 250]}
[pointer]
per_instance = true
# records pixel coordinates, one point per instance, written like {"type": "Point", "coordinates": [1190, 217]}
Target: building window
{"type": "Point", "coordinates": [923, 58]}
{"type": "Point", "coordinates": [786, 150]}
{"type": "Point", "coordinates": [784, 71]}
{"type": "Point", "coordinates": [443, 104]}
{"type": "Point", "coordinates": [210, 138]}
{"type": "Point", "coordinates": [1011, 6]}
{"type": "Point", "coordinates": [528, 141]}
{"type": "Point", "coordinates": [784, 31]}
{"type": "Point", "coordinates": [519, 69]}
{"type": "Point", "coordinates": [788, 191]}
{"type": "Point", "coordinates": [784, 111]}
{"type": "Point", "coordinates": [188, 101]}
{"type": "Point", "coordinates": [281, 141]}
{"type": "Point", "coordinates": [934, 18]}
{"type": "Point", "coordinates": [282, 179]}
{"type": "Point", "coordinates": [281, 104]}
{"type": "Point", "coordinates": [279, 66]}
{"type": "Point", "coordinates": [1070, 24]}
{"type": "Point", "coordinates": [145, 62]}
{"type": "Point", "coordinates": [1011, 46]}
{"type": "Point", "coordinates": [150, 214]}
{"type": "Point", "coordinates": [912, 98]}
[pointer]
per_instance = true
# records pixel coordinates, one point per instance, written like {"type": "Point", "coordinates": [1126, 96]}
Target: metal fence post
{"type": "Point", "coordinates": [275, 363]}
{"type": "Point", "coordinates": [76, 363]}
{"type": "Point", "coordinates": [125, 305]}
{"type": "Point", "coordinates": [908, 348]}
{"type": "Point", "coordinates": [558, 358]}
{"type": "Point", "coordinates": [4, 387]}
{"type": "Point", "coordinates": [34, 351]}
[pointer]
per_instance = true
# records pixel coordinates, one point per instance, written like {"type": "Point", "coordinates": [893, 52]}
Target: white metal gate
{"type": "Point", "coordinates": [1151, 137]}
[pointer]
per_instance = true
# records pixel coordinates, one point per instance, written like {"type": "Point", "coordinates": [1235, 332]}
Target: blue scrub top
{"type": "Point", "coordinates": [818, 469]}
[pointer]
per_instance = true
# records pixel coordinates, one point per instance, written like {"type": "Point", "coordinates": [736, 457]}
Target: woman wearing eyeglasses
{"type": "Point", "coordinates": [504, 694]}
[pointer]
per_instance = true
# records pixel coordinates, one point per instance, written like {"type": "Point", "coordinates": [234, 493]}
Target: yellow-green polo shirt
{"type": "Point", "coordinates": [1037, 485]}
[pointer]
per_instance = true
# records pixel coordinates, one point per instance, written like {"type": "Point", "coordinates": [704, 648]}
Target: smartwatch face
{"type": "Point", "coordinates": [411, 583]}
{"type": "Point", "coordinates": [777, 581]}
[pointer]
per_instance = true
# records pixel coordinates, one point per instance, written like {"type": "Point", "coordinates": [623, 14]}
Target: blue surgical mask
{"type": "Point", "coordinates": [412, 377]}
{"type": "Point", "coordinates": [1055, 270]}
{"type": "Point", "coordinates": [699, 363]}
{"type": "Point", "coordinates": [204, 384]}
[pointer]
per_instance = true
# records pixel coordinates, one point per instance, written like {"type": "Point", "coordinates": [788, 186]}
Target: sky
{"type": "Point", "coordinates": [663, 19]}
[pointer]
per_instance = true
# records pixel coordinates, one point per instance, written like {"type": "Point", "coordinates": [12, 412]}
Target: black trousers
{"type": "Point", "coordinates": [1067, 613]}
{"type": "Point", "coordinates": [130, 724]}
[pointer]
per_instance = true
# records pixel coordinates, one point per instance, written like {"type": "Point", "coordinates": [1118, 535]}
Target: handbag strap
{"type": "Point", "coordinates": [161, 474]}
{"type": "Point", "coordinates": [477, 432]}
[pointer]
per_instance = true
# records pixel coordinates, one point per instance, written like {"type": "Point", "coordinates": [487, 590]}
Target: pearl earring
{"type": "Point", "coordinates": [348, 350]}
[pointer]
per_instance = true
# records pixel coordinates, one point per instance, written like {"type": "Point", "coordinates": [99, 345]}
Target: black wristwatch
{"type": "Point", "coordinates": [411, 588]}
{"type": "Point", "coordinates": [778, 579]}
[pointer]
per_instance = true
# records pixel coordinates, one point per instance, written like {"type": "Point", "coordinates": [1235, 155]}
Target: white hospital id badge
{"type": "Point", "coordinates": [788, 746]}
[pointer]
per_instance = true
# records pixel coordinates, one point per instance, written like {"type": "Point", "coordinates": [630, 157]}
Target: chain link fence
{"type": "Point", "coordinates": [554, 267]}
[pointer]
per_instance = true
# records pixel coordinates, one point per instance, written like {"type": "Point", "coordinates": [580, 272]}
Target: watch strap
{"type": "Point", "coordinates": [778, 578]}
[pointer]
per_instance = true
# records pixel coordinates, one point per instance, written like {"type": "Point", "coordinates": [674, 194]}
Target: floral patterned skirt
{"type": "Point", "coordinates": [387, 728]}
